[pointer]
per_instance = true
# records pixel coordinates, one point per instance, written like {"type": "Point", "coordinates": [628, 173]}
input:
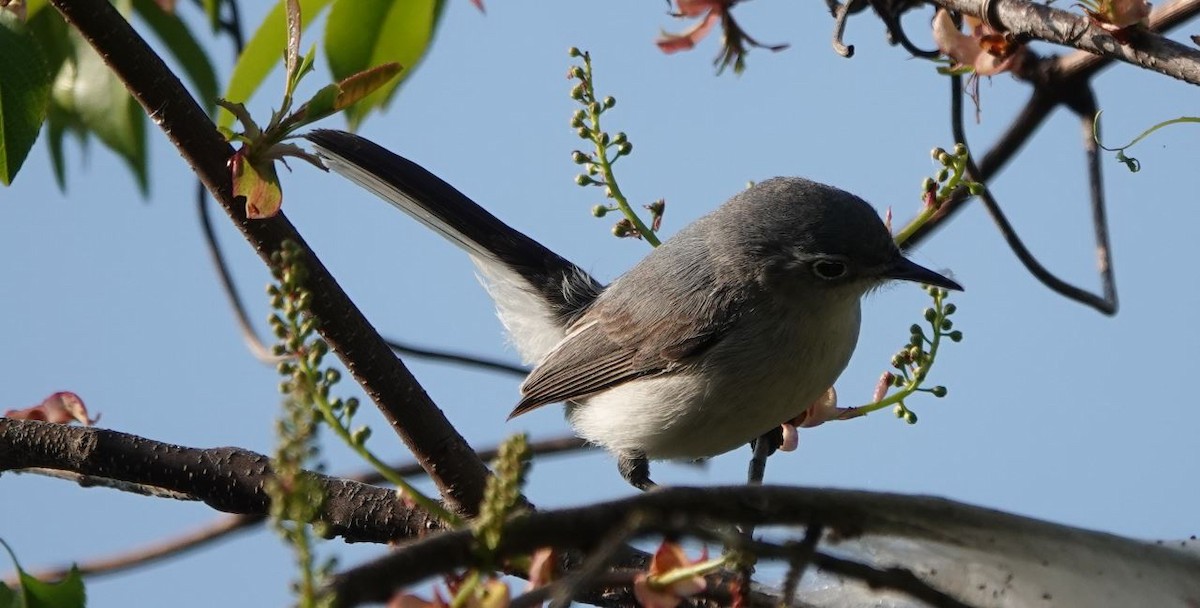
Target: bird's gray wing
{"type": "Point", "coordinates": [615, 342]}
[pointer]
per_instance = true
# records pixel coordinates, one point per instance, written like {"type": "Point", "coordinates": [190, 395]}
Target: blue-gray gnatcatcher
{"type": "Point", "coordinates": [726, 331]}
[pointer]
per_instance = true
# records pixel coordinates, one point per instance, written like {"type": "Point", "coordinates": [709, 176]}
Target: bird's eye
{"type": "Point", "coordinates": [829, 269]}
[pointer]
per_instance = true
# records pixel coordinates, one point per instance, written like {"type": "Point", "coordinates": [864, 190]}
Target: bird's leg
{"type": "Point", "coordinates": [763, 447]}
{"type": "Point", "coordinates": [635, 468]}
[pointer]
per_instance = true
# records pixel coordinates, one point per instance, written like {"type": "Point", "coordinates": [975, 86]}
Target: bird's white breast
{"type": "Point", "coordinates": [771, 366]}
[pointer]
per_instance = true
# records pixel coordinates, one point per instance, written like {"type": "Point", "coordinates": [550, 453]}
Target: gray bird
{"type": "Point", "coordinates": [727, 330]}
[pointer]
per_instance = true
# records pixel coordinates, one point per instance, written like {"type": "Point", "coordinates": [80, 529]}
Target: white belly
{"type": "Point", "coordinates": [747, 384]}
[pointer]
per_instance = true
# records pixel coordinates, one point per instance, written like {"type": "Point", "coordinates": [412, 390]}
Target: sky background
{"type": "Point", "coordinates": [1054, 411]}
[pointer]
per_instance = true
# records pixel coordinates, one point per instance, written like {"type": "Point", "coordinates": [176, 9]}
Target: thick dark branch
{"type": "Point", "coordinates": [697, 511]}
{"type": "Point", "coordinates": [1038, 21]}
{"type": "Point", "coordinates": [227, 479]}
{"type": "Point", "coordinates": [212, 531]}
{"type": "Point", "coordinates": [451, 463]}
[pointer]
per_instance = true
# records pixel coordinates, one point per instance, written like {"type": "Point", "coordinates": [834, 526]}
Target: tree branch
{"type": "Point", "coordinates": [676, 511]}
{"type": "Point", "coordinates": [1147, 49]}
{"type": "Point", "coordinates": [227, 479]}
{"type": "Point", "coordinates": [450, 462]}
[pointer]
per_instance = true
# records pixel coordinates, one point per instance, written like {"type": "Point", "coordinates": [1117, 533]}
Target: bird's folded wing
{"type": "Point", "coordinates": [605, 350]}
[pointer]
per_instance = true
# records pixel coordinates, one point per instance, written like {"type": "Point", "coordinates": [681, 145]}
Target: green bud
{"type": "Point", "coordinates": [975, 188]}
{"type": "Point", "coordinates": [594, 108]}
{"type": "Point", "coordinates": [947, 324]}
{"type": "Point", "coordinates": [897, 361]}
{"type": "Point", "coordinates": [937, 153]}
{"type": "Point", "coordinates": [955, 336]}
{"type": "Point", "coordinates": [916, 330]}
{"type": "Point", "coordinates": [930, 314]}
{"type": "Point", "coordinates": [583, 180]}
{"type": "Point", "coordinates": [898, 410]}
{"type": "Point", "coordinates": [360, 435]}
{"type": "Point", "coordinates": [584, 133]}
{"type": "Point", "coordinates": [285, 368]}
{"type": "Point", "coordinates": [928, 185]}
{"type": "Point", "coordinates": [945, 159]}
{"type": "Point", "coordinates": [352, 406]}
{"type": "Point", "coordinates": [949, 309]}
{"type": "Point", "coordinates": [625, 148]}
{"type": "Point", "coordinates": [285, 387]}
{"type": "Point", "coordinates": [592, 169]}
{"type": "Point", "coordinates": [574, 52]}
{"type": "Point", "coordinates": [916, 340]}
{"type": "Point", "coordinates": [910, 417]}
{"type": "Point", "coordinates": [898, 380]}
{"type": "Point", "coordinates": [943, 175]}
{"type": "Point", "coordinates": [579, 157]}
{"type": "Point", "coordinates": [938, 391]}
{"type": "Point", "coordinates": [278, 350]}
{"type": "Point", "coordinates": [610, 101]}
{"type": "Point", "coordinates": [332, 376]}
{"type": "Point", "coordinates": [960, 150]}
{"type": "Point", "coordinates": [576, 73]}
{"type": "Point", "coordinates": [599, 211]}
{"type": "Point", "coordinates": [620, 137]}
{"type": "Point", "coordinates": [272, 289]}
{"type": "Point", "coordinates": [577, 92]}
{"type": "Point", "coordinates": [604, 139]}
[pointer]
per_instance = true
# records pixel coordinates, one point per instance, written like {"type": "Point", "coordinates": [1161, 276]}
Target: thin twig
{"type": "Point", "coordinates": [228, 287]}
{"type": "Point", "coordinates": [1106, 304]}
{"type": "Point", "coordinates": [1054, 81]}
{"type": "Point", "coordinates": [154, 552]}
{"type": "Point", "coordinates": [447, 356]}
{"type": "Point", "coordinates": [566, 590]}
{"type": "Point", "coordinates": [798, 564]}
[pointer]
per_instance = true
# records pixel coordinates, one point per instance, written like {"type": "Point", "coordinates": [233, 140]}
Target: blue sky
{"type": "Point", "coordinates": [1054, 411]}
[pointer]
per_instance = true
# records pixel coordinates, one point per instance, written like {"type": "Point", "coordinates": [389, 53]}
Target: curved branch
{"type": "Point", "coordinates": [1106, 304]}
{"type": "Point", "coordinates": [1054, 81]}
{"type": "Point", "coordinates": [157, 551]}
{"type": "Point", "coordinates": [451, 463]}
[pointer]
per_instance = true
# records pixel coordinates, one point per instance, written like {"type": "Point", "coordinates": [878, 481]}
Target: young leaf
{"type": "Point", "coordinates": [32, 593]}
{"type": "Point", "coordinates": [360, 36]}
{"type": "Point", "coordinates": [105, 107]}
{"type": "Point", "coordinates": [259, 183]}
{"type": "Point", "coordinates": [262, 54]}
{"type": "Point", "coordinates": [335, 97]}
{"type": "Point", "coordinates": [24, 94]}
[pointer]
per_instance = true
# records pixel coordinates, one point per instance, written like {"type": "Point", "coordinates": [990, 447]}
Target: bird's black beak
{"type": "Point", "coordinates": [907, 270]}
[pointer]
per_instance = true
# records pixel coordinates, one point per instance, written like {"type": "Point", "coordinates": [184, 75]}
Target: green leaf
{"type": "Point", "coordinates": [349, 91]}
{"type": "Point", "coordinates": [212, 9]}
{"type": "Point", "coordinates": [361, 34]}
{"type": "Point", "coordinates": [88, 89]}
{"type": "Point", "coordinates": [32, 593]}
{"type": "Point", "coordinates": [24, 94]}
{"type": "Point", "coordinates": [259, 183]}
{"type": "Point", "coordinates": [263, 52]}
{"type": "Point", "coordinates": [174, 33]}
